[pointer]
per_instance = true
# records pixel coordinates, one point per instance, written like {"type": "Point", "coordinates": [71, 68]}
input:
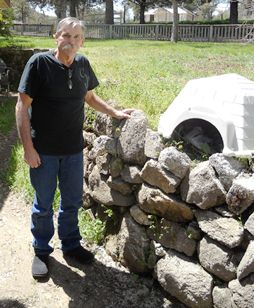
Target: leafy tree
{"type": "Point", "coordinates": [75, 8]}
{"type": "Point", "coordinates": [59, 6]}
{"type": "Point", "coordinates": [207, 9]}
{"type": "Point", "coordinates": [21, 9]}
{"type": "Point", "coordinates": [6, 18]}
{"type": "Point", "coordinates": [109, 9]}
{"type": "Point", "coordinates": [233, 12]}
{"type": "Point", "coordinates": [146, 4]}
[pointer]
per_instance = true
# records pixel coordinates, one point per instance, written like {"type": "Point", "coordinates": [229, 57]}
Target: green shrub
{"type": "Point", "coordinates": [92, 229]}
{"type": "Point", "coordinates": [6, 18]}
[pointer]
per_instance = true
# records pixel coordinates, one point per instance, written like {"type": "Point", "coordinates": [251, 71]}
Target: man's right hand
{"type": "Point", "coordinates": [32, 158]}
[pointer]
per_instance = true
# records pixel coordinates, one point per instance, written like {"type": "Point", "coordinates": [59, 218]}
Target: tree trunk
{"type": "Point", "coordinates": [23, 16]}
{"type": "Point", "coordinates": [60, 9]}
{"type": "Point", "coordinates": [174, 35]}
{"type": "Point", "coordinates": [142, 13]}
{"type": "Point", "coordinates": [73, 7]}
{"type": "Point", "coordinates": [124, 13]}
{"type": "Point", "coordinates": [109, 17]}
{"type": "Point", "coordinates": [233, 18]}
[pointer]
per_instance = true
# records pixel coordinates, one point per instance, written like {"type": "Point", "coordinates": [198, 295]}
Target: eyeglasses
{"type": "Point", "coordinates": [69, 80]}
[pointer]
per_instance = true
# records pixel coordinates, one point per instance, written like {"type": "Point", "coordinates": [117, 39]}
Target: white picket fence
{"type": "Point", "coordinates": [202, 33]}
{"type": "Point", "coordinates": [32, 29]}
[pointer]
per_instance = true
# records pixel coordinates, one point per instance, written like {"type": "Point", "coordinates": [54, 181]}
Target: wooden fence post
{"type": "Point", "coordinates": [110, 31]}
{"type": "Point", "coordinates": [210, 33]}
{"type": "Point", "coordinates": [156, 32]}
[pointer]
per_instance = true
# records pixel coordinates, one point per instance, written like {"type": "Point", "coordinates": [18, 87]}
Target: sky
{"type": "Point", "coordinates": [50, 12]}
{"type": "Point", "coordinates": [221, 7]}
{"type": "Point", "coordinates": [47, 11]}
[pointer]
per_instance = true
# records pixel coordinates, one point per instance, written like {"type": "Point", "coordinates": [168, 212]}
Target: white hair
{"type": "Point", "coordinates": [70, 21]}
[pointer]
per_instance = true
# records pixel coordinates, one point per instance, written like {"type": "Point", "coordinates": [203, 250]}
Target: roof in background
{"type": "Point", "coordinates": [170, 10]}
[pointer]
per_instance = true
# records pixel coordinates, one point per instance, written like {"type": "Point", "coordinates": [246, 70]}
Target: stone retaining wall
{"type": "Point", "coordinates": [15, 59]}
{"type": "Point", "coordinates": [190, 224]}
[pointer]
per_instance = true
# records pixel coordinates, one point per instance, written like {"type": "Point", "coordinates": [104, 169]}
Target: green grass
{"type": "Point", "coordinates": [7, 115]}
{"type": "Point", "coordinates": [17, 176]}
{"type": "Point", "coordinates": [149, 74]}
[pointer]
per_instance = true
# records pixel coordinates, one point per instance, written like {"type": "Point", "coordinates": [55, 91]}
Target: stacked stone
{"type": "Point", "coordinates": [192, 225]}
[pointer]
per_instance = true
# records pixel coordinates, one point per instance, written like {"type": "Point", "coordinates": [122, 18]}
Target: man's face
{"type": "Point", "coordinates": [69, 40]}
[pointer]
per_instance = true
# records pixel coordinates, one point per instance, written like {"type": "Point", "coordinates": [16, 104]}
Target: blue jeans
{"type": "Point", "coordinates": [67, 170]}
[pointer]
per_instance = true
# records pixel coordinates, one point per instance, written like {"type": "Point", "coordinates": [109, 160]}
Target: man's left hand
{"type": "Point", "coordinates": [123, 114]}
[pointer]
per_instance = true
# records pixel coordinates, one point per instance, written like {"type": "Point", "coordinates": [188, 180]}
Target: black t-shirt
{"type": "Point", "coordinates": [58, 92]}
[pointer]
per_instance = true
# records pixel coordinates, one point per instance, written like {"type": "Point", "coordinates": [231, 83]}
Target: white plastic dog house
{"type": "Point", "coordinates": [223, 106]}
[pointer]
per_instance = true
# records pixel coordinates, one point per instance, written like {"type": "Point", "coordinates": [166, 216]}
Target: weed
{"type": "Point", "coordinates": [92, 229]}
{"type": "Point", "coordinates": [90, 116]}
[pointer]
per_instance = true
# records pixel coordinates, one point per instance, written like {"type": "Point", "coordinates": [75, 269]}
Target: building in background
{"type": "Point", "coordinates": [161, 15]}
{"type": "Point", "coordinates": [246, 10]}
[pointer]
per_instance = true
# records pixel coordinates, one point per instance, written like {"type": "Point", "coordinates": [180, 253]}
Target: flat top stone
{"type": "Point", "coordinates": [225, 230]}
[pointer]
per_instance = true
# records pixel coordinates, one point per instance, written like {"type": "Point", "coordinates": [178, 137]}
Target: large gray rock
{"type": "Point", "coordinates": [221, 297]}
{"type": "Point", "coordinates": [116, 166]}
{"type": "Point", "coordinates": [224, 211]}
{"type": "Point", "coordinates": [243, 292]}
{"type": "Point", "coordinates": [155, 175]}
{"type": "Point", "coordinates": [87, 162]}
{"type": "Point", "coordinates": [249, 224]}
{"type": "Point", "coordinates": [105, 124]}
{"type": "Point", "coordinates": [153, 144]}
{"type": "Point", "coordinates": [185, 280]}
{"type": "Point", "coordinates": [154, 201]}
{"type": "Point", "coordinates": [133, 246]}
{"type": "Point", "coordinates": [89, 138]}
{"type": "Point", "coordinates": [102, 145]}
{"type": "Point", "coordinates": [131, 174]}
{"type": "Point", "coordinates": [131, 142]}
{"type": "Point", "coordinates": [103, 163]}
{"type": "Point", "coordinates": [227, 168]}
{"type": "Point", "coordinates": [140, 216]}
{"type": "Point", "coordinates": [217, 259]}
{"type": "Point", "coordinates": [103, 194]}
{"type": "Point", "coordinates": [241, 194]}
{"type": "Point", "coordinates": [246, 265]}
{"type": "Point", "coordinates": [175, 161]}
{"type": "Point", "coordinates": [119, 185]}
{"type": "Point", "coordinates": [202, 187]}
{"type": "Point", "coordinates": [193, 231]}
{"type": "Point", "coordinates": [227, 231]}
{"type": "Point", "coordinates": [172, 235]}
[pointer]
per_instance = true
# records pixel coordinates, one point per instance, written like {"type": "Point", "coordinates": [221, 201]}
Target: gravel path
{"type": "Point", "coordinates": [102, 284]}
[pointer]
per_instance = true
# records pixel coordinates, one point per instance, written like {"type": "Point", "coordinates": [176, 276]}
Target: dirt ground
{"type": "Point", "coordinates": [101, 284]}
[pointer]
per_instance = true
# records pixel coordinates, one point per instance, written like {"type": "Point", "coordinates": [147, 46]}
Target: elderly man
{"type": "Point", "coordinates": [50, 116]}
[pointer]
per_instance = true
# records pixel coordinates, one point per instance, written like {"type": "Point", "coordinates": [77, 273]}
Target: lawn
{"type": "Point", "coordinates": [149, 74]}
{"type": "Point", "coordinates": [7, 114]}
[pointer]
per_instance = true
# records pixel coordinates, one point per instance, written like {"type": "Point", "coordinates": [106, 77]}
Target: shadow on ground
{"type": "Point", "coordinates": [101, 286]}
{"type": "Point", "coordinates": [9, 303]}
